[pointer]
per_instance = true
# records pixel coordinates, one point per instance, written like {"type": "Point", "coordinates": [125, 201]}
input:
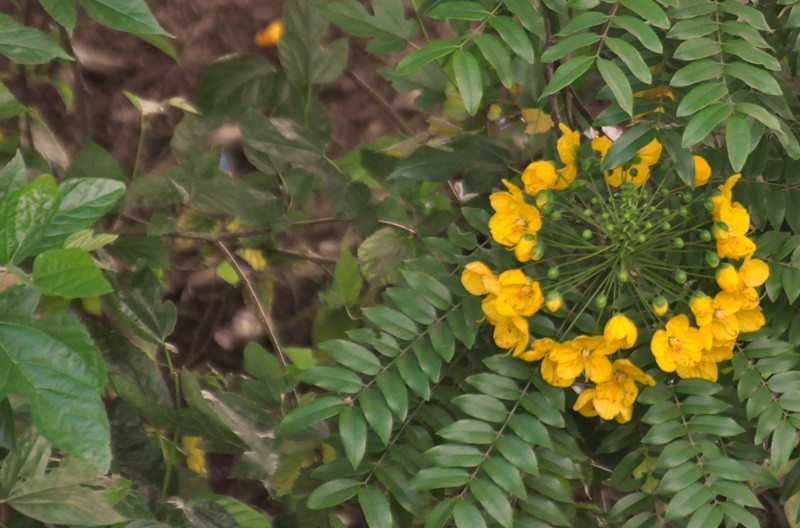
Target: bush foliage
{"type": "Point", "coordinates": [568, 297]}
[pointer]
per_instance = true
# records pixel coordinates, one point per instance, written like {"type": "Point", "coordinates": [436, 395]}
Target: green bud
{"type": "Point", "coordinates": [705, 235]}
{"type": "Point", "coordinates": [595, 200]}
{"type": "Point", "coordinates": [680, 277]}
{"type": "Point", "coordinates": [683, 212]}
{"type": "Point", "coordinates": [546, 208]}
{"type": "Point", "coordinates": [641, 238]}
{"type": "Point", "coordinates": [601, 301]}
{"type": "Point", "coordinates": [609, 227]}
{"type": "Point", "coordinates": [553, 273]}
{"type": "Point", "coordinates": [623, 276]}
{"type": "Point", "coordinates": [712, 259]}
{"type": "Point", "coordinates": [664, 192]}
{"type": "Point", "coordinates": [666, 226]}
{"type": "Point", "coordinates": [537, 253]}
{"type": "Point", "coordinates": [678, 243]}
{"type": "Point", "coordinates": [666, 211]}
{"type": "Point", "coordinates": [556, 215]}
{"type": "Point", "coordinates": [587, 213]}
{"type": "Point", "coordinates": [686, 197]}
{"type": "Point", "coordinates": [604, 215]}
{"type": "Point", "coordinates": [648, 225]}
{"type": "Point", "coordinates": [587, 234]}
{"type": "Point", "coordinates": [709, 205]}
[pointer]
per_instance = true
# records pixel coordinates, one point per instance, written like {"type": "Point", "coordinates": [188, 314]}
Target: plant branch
{"type": "Point", "coordinates": [378, 98]}
{"type": "Point", "coordinates": [80, 85]}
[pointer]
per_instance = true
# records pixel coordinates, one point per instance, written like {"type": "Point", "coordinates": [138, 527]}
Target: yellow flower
{"type": "Point", "coordinates": [478, 279]}
{"type": "Point", "coordinates": [750, 297]}
{"type": "Point", "coordinates": [553, 301]}
{"type": "Point", "coordinates": [660, 306]}
{"type": "Point", "coordinates": [750, 320]}
{"type": "Point", "coordinates": [540, 348]}
{"type": "Point", "coordinates": [620, 332]}
{"type": "Point", "coordinates": [539, 176]}
{"type": "Point", "coordinates": [514, 218]}
{"type": "Point", "coordinates": [584, 354]}
{"type": "Point", "coordinates": [517, 294]}
{"type": "Point", "coordinates": [585, 403]}
{"type": "Point", "coordinates": [650, 153]}
{"type": "Point", "coordinates": [724, 323]}
{"type": "Point", "coordinates": [512, 333]}
{"type": "Point", "coordinates": [732, 242]}
{"type": "Point", "coordinates": [523, 250]}
{"type": "Point", "coordinates": [195, 456]}
{"type": "Point", "coordinates": [679, 345]}
{"type": "Point", "coordinates": [725, 195]}
{"type": "Point", "coordinates": [567, 147]}
{"type": "Point", "coordinates": [550, 374]}
{"type": "Point", "coordinates": [702, 307]}
{"type": "Point", "coordinates": [614, 399]}
{"type": "Point", "coordinates": [702, 171]}
{"type": "Point", "coordinates": [489, 307]}
{"type": "Point", "coordinates": [754, 272]}
{"type": "Point", "coordinates": [707, 368]}
{"type": "Point", "coordinates": [270, 35]}
{"type": "Point", "coordinates": [728, 278]}
{"type": "Point", "coordinates": [638, 171]}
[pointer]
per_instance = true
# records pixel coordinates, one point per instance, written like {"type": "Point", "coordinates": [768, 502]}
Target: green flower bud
{"type": "Point", "coordinates": [556, 215]}
{"type": "Point", "coordinates": [712, 259]}
{"type": "Point", "coordinates": [683, 212]}
{"type": "Point", "coordinates": [686, 197]}
{"type": "Point", "coordinates": [648, 225]}
{"type": "Point", "coordinates": [587, 234]}
{"type": "Point", "coordinates": [601, 301]}
{"type": "Point", "coordinates": [587, 213]}
{"type": "Point", "coordinates": [666, 226]}
{"type": "Point", "coordinates": [623, 276]}
{"type": "Point", "coordinates": [678, 243]}
{"type": "Point", "coordinates": [553, 273]}
{"type": "Point", "coordinates": [546, 208]}
{"type": "Point", "coordinates": [537, 253]}
{"type": "Point", "coordinates": [705, 235]}
{"type": "Point", "coordinates": [680, 277]}
{"type": "Point", "coordinates": [641, 238]}
{"type": "Point", "coordinates": [708, 205]}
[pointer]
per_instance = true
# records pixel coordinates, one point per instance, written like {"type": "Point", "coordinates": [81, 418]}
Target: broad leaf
{"type": "Point", "coordinates": [25, 45]}
{"type": "Point", "coordinates": [132, 16]}
{"type": "Point", "coordinates": [62, 11]}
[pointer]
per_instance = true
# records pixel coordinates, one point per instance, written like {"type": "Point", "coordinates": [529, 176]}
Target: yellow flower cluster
{"type": "Point", "coordinates": [694, 352]}
{"type": "Point", "coordinates": [543, 175]}
{"type": "Point", "coordinates": [637, 171]}
{"type": "Point", "coordinates": [510, 299]}
{"type": "Point", "coordinates": [515, 222]}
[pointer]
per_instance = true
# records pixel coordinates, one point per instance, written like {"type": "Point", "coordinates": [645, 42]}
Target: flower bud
{"type": "Point", "coordinates": [620, 332]}
{"type": "Point", "coordinates": [537, 253]}
{"type": "Point", "coordinates": [623, 276]}
{"type": "Point", "coordinates": [601, 301]}
{"type": "Point", "coordinates": [705, 235]}
{"type": "Point", "coordinates": [556, 215]}
{"type": "Point", "coordinates": [680, 277]}
{"type": "Point", "coordinates": [712, 259]}
{"type": "Point", "coordinates": [728, 278]}
{"type": "Point", "coordinates": [553, 301]}
{"type": "Point", "coordinates": [660, 305]}
{"type": "Point", "coordinates": [494, 112]}
{"type": "Point", "coordinates": [678, 243]}
{"type": "Point", "coordinates": [587, 234]}
{"type": "Point", "coordinates": [553, 273]}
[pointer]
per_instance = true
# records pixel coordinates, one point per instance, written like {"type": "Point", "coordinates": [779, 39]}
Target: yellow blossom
{"type": "Point", "coordinates": [724, 323]}
{"type": "Point", "coordinates": [489, 307]}
{"type": "Point", "coordinates": [728, 278]}
{"type": "Point", "coordinates": [512, 333]}
{"type": "Point", "coordinates": [702, 307]}
{"type": "Point", "coordinates": [195, 456]}
{"type": "Point", "coordinates": [707, 368]}
{"type": "Point", "coordinates": [539, 176]}
{"type": "Point", "coordinates": [750, 297]}
{"type": "Point", "coordinates": [702, 171]}
{"type": "Point", "coordinates": [583, 354]}
{"type": "Point", "coordinates": [660, 306]}
{"type": "Point", "coordinates": [553, 301]}
{"type": "Point", "coordinates": [732, 242]}
{"type": "Point", "coordinates": [754, 272]}
{"type": "Point", "coordinates": [514, 218]}
{"type": "Point", "coordinates": [750, 320]}
{"type": "Point", "coordinates": [478, 279]}
{"type": "Point", "coordinates": [518, 294]}
{"type": "Point", "coordinates": [270, 35]}
{"type": "Point", "coordinates": [540, 348]}
{"type": "Point", "coordinates": [506, 200]}
{"type": "Point", "coordinates": [550, 374]}
{"type": "Point", "coordinates": [523, 250]}
{"type": "Point", "coordinates": [620, 332]}
{"type": "Point", "coordinates": [678, 345]}
{"type": "Point", "coordinates": [725, 195]}
{"type": "Point", "coordinates": [638, 171]}
{"type": "Point", "coordinates": [567, 147]}
{"type": "Point", "coordinates": [614, 398]}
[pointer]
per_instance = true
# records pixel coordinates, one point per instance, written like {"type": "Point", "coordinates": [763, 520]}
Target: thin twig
{"type": "Point", "coordinates": [378, 98]}
{"type": "Point", "coordinates": [263, 312]}
{"type": "Point", "coordinates": [580, 106]}
{"type": "Point", "coordinates": [318, 259]}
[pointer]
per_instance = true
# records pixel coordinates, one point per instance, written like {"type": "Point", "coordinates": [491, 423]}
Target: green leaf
{"type": "Point", "coordinates": [266, 368]}
{"type": "Point", "coordinates": [231, 85]}
{"type": "Point", "coordinates": [95, 162]}
{"type": "Point", "coordinates": [717, 425]}
{"type": "Point", "coordinates": [700, 97]}
{"type": "Point", "coordinates": [695, 49]}
{"type": "Point", "coordinates": [333, 493]}
{"type": "Point", "coordinates": [739, 515]}
{"type": "Point", "coordinates": [753, 17]}
{"type": "Point", "coordinates": [62, 389]}
{"type": "Point", "coordinates": [737, 141]}
{"type": "Point", "coordinates": [514, 36]}
{"type": "Point", "coordinates": [618, 83]}
{"type": "Point", "coordinates": [519, 453]}
{"type": "Point", "coordinates": [377, 413]}
{"type": "Point", "coordinates": [568, 46]}
{"type": "Point", "coordinates": [784, 440]}
{"type": "Point", "coordinates": [13, 176]}
{"type": "Point", "coordinates": [332, 379]}
{"type": "Point", "coordinates": [494, 385]}
{"type": "Point", "coordinates": [375, 507]}
{"type": "Point", "coordinates": [305, 62]}
{"type": "Point", "coordinates": [505, 475]}
{"type": "Point", "coordinates": [425, 55]}
{"type": "Point", "coordinates": [319, 409]}
{"type": "Point", "coordinates": [69, 273]}
{"type": "Point", "coordinates": [582, 22]}
{"type": "Point", "coordinates": [388, 28]}
{"type": "Point", "coordinates": [643, 33]}
{"type": "Point", "coordinates": [493, 501]}
{"type": "Point", "coordinates": [394, 392]}
{"type": "Point", "coordinates": [353, 433]}
{"type": "Point", "coordinates": [748, 52]}
{"type": "Point", "coordinates": [431, 289]}
{"type": "Point", "coordinates": [626, 146]}
{"type": "Point", "coordinates": [649, 11]}
{"type": "Point", "coordinates": [681, 157]}
{"type": "Point", "coordinates": [278, 142]}
{"type": "Point", "coordinates": [352, 356]}
{"type": "Point", "coordinates": [412, 374]}
{"type": "Point", "coordinates": [695, 72]}
{"type": "Point", "coordinates": [62, 11]}
{"type": "Point", "coordinates": [568, 73]}
{"type": "Point", "coordinates": [754, 77]}
{"type": "Point", "coordinates": [498, 56]}
{"type": "Point", "coordinates": [25, 216]}
{"type": "Point", "coordinates": [704, 122]}
{"type": "Point", "coordinates": [482, 407]}
{"type": "Point", "coordinates": [382, 254]}
{"type": "Point", "coordinates": [759, 113]}
{"type": "Point", "coordinates": [679, 478]}
{"type": "Point", "coordinates": [410, 304]}
{"type": "Point", "coordinates": [437, 478]}
{"type": "Point", "coordinates": [631, 57]}
{"type": "Point", "coordinates": [391, 321]}
{"type": "Point", "coordinates": [708, 515]}
{"type": "Point", "coordinates": [347, 279]}
{"type": "Point", "coordinates": [442, 340]}
{"type": "Point", "coordinates": [687, 501]}
{"type": "Point", "coordinates": [469, 432]}
{"type": "Point", "coordinates": [467, 515]}
{"type": "Point", "coordinates": [25, 45]}
{"type": "Point", "coordinates": [395, 481]}
{"type": "Point", "coordinates": [132, 16]}
{"type": "Point", "coordinates": [440, 515]}
{"type": "Point", "coordinates": [454, 455]}
{"type": "Point", "coordinates": [458, 10]}
{"type": "Point", "coordinates": [530, 18]}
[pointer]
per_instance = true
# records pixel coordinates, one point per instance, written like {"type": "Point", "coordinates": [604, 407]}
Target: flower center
{"type": "Point", "coordinates": [585, 352]}
{"type": "Point", "coordinates": [674, 343]}
{"type": "Point", "coordinates": [719, 313]}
